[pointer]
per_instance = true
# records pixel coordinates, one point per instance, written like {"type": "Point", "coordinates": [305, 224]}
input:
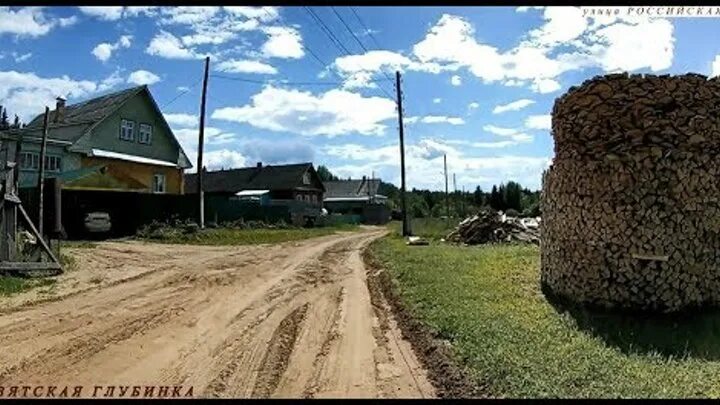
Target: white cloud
{"type": "Point", "coordinates": [566, 41]}
{"type": "Point", "coordinates": [264, 14]}
{"type": "Point", "coordinates": [437, 100]}
{"type": "Point", "coordinates": [423, 162]}
{"type": "Point", "coordinates": [111, 81]}
{"type": "Point", "coordinates": [435, 119]}
{"type": "Point", "coordinates": [181, 119]}
{"type": "Point", "coordinates": [246, 66]}
{"type": "Point", "coordinates": [514, 134]}
{"type": "Point", "coordinates": [103, 51]}
{"type": "Point", "coordinates": [545, 86]}
{"type": "Point", "coordinates": [473, 105]}
{"type": "Point", "coordinates": [499, 130]}
{"type": "Point", "coordinates": [139, 77]}
{"type": "Point", "coordinates": [539, 121]}
{"type": "Point", "coordinates": [108, 13]}
{"type": "Point", "coordinates": [168, 46]}
{"type": "Point", "coordinates": [358, 70]}
{"type": "Point", "coordinates": [26, 94]}
{"type": "Point", "coordinates": [513, 106]}
{"type": "Point", "coordinates": [456, 80]}
{"type": "Point", "coordinates": [335, 112]}
{"type": "Point", "coordinates": [188, 14]}
{"type": "Point", "coordinates": [29, 21]}
{"type": "Point", "coordinates": [21, 58]}
{"type": "Point", "coordinates": [283, 42]}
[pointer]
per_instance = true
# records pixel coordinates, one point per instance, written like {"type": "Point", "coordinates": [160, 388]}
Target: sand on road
{"type": "Point", "coordinates": [287, 320]}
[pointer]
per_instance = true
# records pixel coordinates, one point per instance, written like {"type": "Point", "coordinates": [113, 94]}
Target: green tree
{"type": "Point", "coordinates": [478, 197]}
{"type": "Point", "coordinates": [325, 174]}
{"type": "Point", "coordinates": [4, 123]}
{"type": "Point", "coordinates": [512, 196]}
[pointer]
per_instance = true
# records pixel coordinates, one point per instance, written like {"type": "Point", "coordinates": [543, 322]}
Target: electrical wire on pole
{"type": "Point", "coordinates": [403, 202]}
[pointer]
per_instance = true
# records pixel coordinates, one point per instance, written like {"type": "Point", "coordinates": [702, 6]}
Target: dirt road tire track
{"type": "Point", "coordinates": [288, 320]}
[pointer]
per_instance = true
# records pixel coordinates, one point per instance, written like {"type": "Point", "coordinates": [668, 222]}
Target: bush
{"type": "Point", "coordinates": [512, 213]}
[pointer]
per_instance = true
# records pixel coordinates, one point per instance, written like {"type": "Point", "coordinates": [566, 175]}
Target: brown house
{"type": "Point", "coordinates": [284, 184]}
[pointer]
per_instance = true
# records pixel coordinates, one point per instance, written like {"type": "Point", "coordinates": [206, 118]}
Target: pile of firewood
{"type": "Point", "coordinates": [631, 203]}
{"type": "Point", "coordinates": [489, 226]}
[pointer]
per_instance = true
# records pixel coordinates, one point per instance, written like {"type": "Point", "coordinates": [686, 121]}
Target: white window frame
{"type": "Point", "coordinates": [157, 183]}
{"type": "Point", "coordinates": [50, 167]}
{"type": "Point", "coordinates": [141, 132]}
{"type": "Point", "coordinates": [306, 178]}
{"type": "Point", "coordinates": [129, 127]}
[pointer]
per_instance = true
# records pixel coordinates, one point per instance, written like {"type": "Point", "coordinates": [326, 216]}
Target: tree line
{"type": "Point", "coordinates": [5, 120]}
{"type": "Point", "coordinates": [511, 198]}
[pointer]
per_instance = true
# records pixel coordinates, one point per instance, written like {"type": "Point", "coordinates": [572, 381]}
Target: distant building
{"type": "Point", "coordinates": [357, 197]}
{"type": "Point", "coordinates": [296, 186]}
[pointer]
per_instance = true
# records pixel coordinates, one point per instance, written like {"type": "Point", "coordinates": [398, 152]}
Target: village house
{"type": "Point", "coordinates": [119, 141]}
{"type": "Point", "coordinates": [295, 186]}
{"type": "Point", "coordinates": [358, 198]}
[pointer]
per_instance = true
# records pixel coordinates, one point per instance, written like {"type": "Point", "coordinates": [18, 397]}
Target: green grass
{"type": "Point", "coordinates": [14, 285]}
{"type": "Point", "coordinates": [430, 228]}
{"type": "Point", "coordinates": [487, 302]}
{"type": "Point", "coordinates": [231, 236]}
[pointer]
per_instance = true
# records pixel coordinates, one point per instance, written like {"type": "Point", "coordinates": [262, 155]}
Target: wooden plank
{"type": "Point", "coordinates": [37, 235]}
{"type": "Point", "coordinates": [650, 257]}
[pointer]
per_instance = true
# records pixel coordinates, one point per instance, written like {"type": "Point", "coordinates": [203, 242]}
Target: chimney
{"type": "Point", "coordinates": [259, 165]}
{"type": "Point", "coordinates": [59, 109]}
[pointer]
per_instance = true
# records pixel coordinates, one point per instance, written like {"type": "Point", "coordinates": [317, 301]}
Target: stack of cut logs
{"type": "Point", "coordinates": [631, 203]}
{"type": "Point", "coordinates": [489, 226]}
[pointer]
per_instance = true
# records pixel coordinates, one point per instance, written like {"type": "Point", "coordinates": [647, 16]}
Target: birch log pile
{"type": "Point", "coordinates": [631, 202]}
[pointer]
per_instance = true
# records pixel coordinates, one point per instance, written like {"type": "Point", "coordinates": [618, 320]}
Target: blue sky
{"type": "Point", "coordinates": [479, 82]}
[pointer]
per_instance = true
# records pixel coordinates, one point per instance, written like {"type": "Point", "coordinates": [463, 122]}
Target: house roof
{"type": "Point", "coordinates": [280, 177]}
{"type": "Point", "coordinates": [88, 111]}
{"type": "Point", "coordinates": [351, 188]}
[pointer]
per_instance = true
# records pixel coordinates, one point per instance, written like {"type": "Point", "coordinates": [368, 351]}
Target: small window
{"type": "Point", "coordinates": [314, 199]}
{"type": "Point", "coordinates": [127, 130]}
{"type": "Point", "coordinates": [298, 197]}
{"type": "Point", "coordinates": [52, 163]}
{"type": "Point", "coordinates": [306, 178]}
{"type": "Point", "coordinates": [26, 160]}
{"type": "Point", "coordinates": [145, 133]}
{"type": "Point", "coordinates": [158, 183]}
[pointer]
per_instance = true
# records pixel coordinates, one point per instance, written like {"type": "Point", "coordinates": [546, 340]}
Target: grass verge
{"type": "Point", "coordinates": [233, 236]}
{"type": "Point", "coordinates": [487, 303]}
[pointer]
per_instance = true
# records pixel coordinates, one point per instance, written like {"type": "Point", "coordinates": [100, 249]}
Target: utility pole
{"type": "Point", "coordinates": [455, 194]}
{"type": "Point", "coordinates": [447, 198]}
{"type": "Point", "coordinates": [201, 140]}
{"type": "Point", "coordinates": [41, 174]}
{"type": "Point", "coordinates": [405, 227]}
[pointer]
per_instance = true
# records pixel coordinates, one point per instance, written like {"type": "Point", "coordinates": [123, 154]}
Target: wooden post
{"type": "Point", "coordinates": [403, 204]}
{"type": "Point", "coordinates": [201, 140]}
{"type": "Point", "coordinates": [41, 174]}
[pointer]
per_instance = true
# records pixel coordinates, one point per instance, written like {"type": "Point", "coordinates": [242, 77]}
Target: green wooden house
{"type": "Point", "coordinates": [119, 141]}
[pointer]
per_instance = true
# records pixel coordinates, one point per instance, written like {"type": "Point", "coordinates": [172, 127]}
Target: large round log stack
{"type": "Point", "coordinates": [631, 203]}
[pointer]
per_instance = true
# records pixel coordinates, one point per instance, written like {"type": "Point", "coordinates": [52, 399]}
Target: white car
{"type": "Point", "coordinates": [98, 222]}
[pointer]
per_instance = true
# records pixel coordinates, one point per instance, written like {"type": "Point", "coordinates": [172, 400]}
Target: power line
{"type": "Point", "coordinates": [242, 79]}
{"type": "Point", "coordinates": [334, 39]}
{"type": "Point", "coordinates": [180, 95]}
{"type": "Point", "coordinates": [327, 31]}
{"type": "Point", "coordinates": [367, 30]}
{"type": "Point", "coordinates": [342, 20]}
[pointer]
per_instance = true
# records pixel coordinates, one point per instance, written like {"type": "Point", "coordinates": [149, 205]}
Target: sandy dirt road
{"type": "Point", "coordinates": [289, 320]}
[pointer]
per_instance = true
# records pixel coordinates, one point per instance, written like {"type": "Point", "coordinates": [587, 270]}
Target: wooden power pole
{"type": "Point", "coordinates": [201, 141]}
{"type": "Point", "coordinates": [447, 198]}
{"type": "Point", "coordinates": [403, 203]}
{"type": "Point", "coordinates": [41, 174]}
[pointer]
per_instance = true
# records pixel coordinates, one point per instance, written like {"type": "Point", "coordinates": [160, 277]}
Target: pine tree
{"type": "Point", "coordinates": [477, 197]}
{"type": "Point", "coordinates": [4, 123]}
{"type": "Point", "coordinates": [16, 122]}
